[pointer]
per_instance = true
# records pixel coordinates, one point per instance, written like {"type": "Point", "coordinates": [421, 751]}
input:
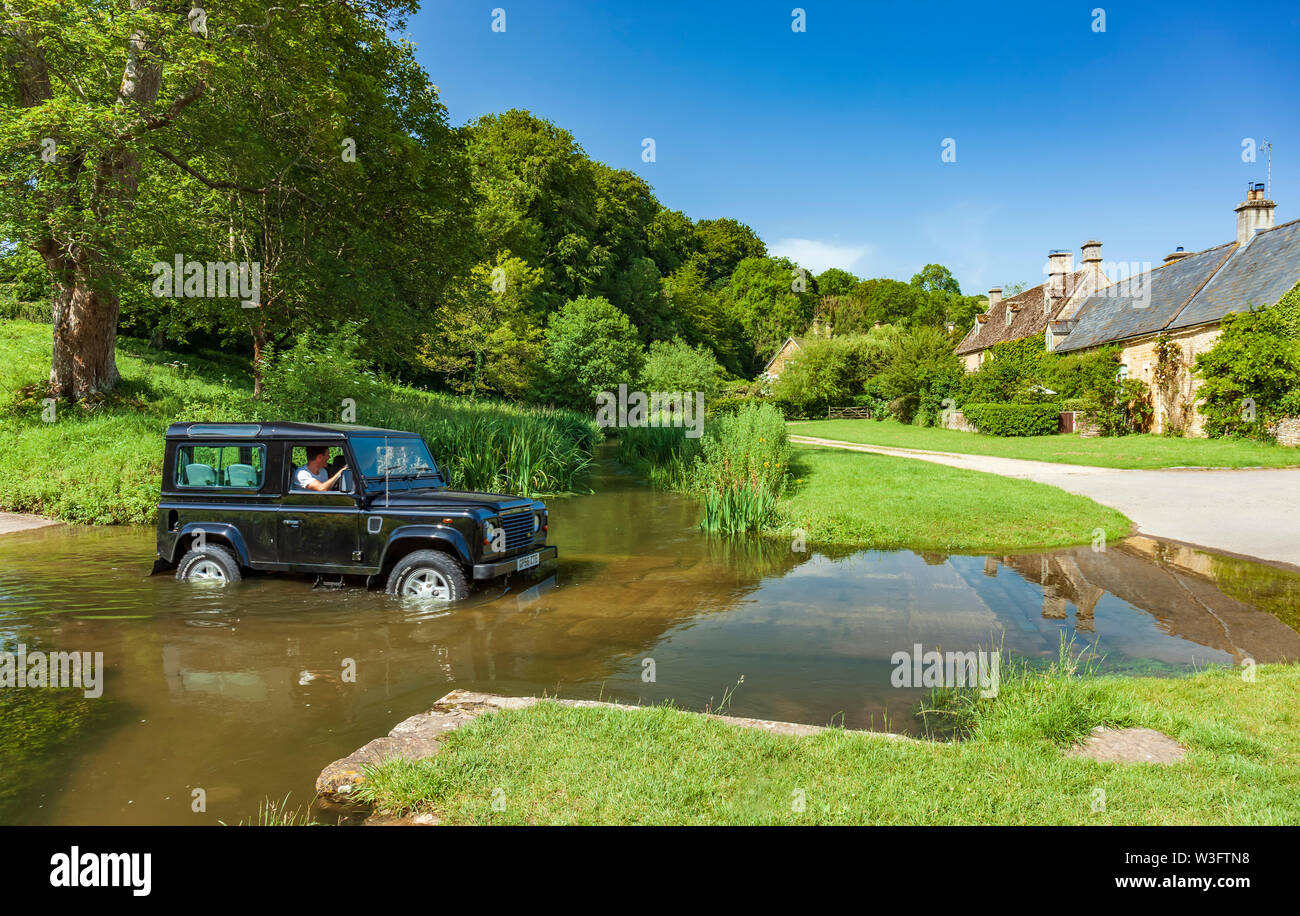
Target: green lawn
{"type": "Point", "coordinates": [1139, 451]}
{"type": "Point", "coordinates": [550, 764]}
{"type": "Point", "coordinates": [861, 499]}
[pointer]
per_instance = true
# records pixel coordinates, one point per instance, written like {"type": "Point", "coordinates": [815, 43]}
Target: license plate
{"type": "Point", "coordinates": [527, 562]}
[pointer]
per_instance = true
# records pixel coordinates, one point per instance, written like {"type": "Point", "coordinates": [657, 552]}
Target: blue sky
{"type": "Point", "coordinates": [828, 142]}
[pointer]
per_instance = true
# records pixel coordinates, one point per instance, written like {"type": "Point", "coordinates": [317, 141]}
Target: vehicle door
{"type": "Point", "coordinates": [319, 531]}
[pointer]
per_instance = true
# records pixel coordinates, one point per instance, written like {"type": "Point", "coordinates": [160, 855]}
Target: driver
{"type": "Point", "coordinates": [312, 476]}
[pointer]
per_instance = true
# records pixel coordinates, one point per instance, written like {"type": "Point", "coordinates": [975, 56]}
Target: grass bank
{"type": "Point", "coordinates": [879, 501]}
{"type": "Point", "coordinates": [747, 470]}
{"type": "Point", "coordinates": [100, 462]}
{"type": "Point", "coordinates": [1136, 451]}
{"type": "Point", "coordinates": [550, 764]}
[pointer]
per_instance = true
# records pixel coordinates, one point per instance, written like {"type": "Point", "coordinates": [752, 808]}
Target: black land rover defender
{"type": "Point", "coordinates": [233, 499]}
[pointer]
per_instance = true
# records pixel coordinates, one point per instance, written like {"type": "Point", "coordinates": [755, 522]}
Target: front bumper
{"type": "Point", "coordinates": [510, 564]}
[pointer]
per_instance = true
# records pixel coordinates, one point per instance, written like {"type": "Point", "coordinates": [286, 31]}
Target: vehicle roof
{"type": "Point", "coordinates": [277, 429]}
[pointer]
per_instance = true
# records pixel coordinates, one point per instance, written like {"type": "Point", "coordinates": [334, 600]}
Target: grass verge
{"type": "Point", "coordinates": [100, 462]}
{"type": "Point", "coordinates": [879, 501]}
{"type": "Point", "coordinates": [1136, 451]}
{"type": "Point", "coordinates": [551, 764]}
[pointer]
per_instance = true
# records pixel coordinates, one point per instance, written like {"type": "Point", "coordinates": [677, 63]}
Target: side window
{"type": "Point", "coordinates": [234, 466]}
{"type": "Point", "coordinates": [335, 459]}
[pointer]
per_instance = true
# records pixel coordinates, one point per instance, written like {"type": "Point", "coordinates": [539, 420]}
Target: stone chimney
{"type": "Point", "coordinates": [995, 296]}
{"type": "Point", "coordinates": [1091, 253]}
{"type": "Point", "coordinates": [1060, 264]}
{"type": "Point", "coordinates": [1253, 214]}
{"type": "Point", "coordinates": [1177, 255]}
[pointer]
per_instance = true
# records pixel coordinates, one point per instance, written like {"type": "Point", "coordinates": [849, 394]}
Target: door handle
{"type": "Point", "coordinates": [292, 523]}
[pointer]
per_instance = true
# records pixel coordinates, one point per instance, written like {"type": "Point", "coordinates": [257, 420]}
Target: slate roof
{"type": "Point", "coordinates": [1143, 303]}
{"type": "Point", "coordinates": [1028, 321]}
{"type": "Point", "coordinates": [1195, 290]}
{"type": "Point", "coordinates": [1258, 276]}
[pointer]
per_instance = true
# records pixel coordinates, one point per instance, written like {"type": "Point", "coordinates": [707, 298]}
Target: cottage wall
{"type": "Point", "coordinates": [1178, 403]}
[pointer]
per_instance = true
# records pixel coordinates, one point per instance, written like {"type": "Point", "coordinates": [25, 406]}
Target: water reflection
{"type": "Point", "coordinates": [245, 692]}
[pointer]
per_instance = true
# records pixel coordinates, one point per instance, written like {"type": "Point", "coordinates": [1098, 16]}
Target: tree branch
{"type": "Point", "coordinates": [212, 183]}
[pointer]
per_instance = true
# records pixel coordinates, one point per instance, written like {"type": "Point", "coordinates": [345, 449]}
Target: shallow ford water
{"type": "Point", "coordinates": [241, 691]}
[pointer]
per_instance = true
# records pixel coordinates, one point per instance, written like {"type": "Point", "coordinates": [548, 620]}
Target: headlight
{"type": "Point", "coordinates": [494, 536]}
{"type": "Point", "coordinates": [537, 522]}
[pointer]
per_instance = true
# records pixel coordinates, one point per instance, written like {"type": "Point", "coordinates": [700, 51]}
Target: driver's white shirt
{"type": "Point", "coordinates": [304, 474]}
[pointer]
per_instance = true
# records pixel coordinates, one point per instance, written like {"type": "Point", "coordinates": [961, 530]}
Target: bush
{"type": "Point", "coordinates": [590, 347]}
{"type": "Point", "coordinates": [1122, 408]}
{"type": "Point", "coordinates": [1248, 372]}
{"type": "Point", "coordinates": [674, 365]}
{"type": "Point", "coordinates": [310, 381]}
{"type": "Point", "coordinates": [1014, 419]}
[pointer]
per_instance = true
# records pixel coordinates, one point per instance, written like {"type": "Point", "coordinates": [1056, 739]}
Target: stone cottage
{"type": "Point", "coordinates": [1031, 313]}
{"type": "Point", "coordinates": [775, 365]}
{"type": "Point", "coordinates": [1178, 307]}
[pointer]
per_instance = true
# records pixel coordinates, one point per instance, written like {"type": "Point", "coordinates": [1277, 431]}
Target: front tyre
{"type": "Point", "coordinates": [428, 575]}
{"type": "Point", "coordinates": [211, 565]}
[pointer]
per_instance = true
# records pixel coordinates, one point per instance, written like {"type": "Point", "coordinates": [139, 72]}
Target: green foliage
{"type": "Point", "coordinates": [488, 340]}
{"type": "Point", "coordinates": [1013, 419]}
{"type": "Point", "coordinates": [499, 448]}
{"type": "Point", "coordinates": [1010, 371]}
{"type": "Point", "coordinates": [480, 444]}
{"type": "Point", "coordinates": [1081, 377]}
{"type": "Point", "coordinates": [766, 306]}
{"type": "Point", "coordinates": [674, 365]}
{"type": "Point", "coordinates": [836, 282]}
{"type": "Point", "coordinates": [742, 470]}
{"type": "Point", "coordinates": [590, 347]}
{"type": "Point", "coordinates": [922, 373]}
{"type": "Point", "coordinates": [310, 380]}
{"type": "Point", "coordinates": [737, 469]}
{"type": "Point", "coordinates": [1248, 374]}
{"type": "Point", "coordinates": [1123, 407]}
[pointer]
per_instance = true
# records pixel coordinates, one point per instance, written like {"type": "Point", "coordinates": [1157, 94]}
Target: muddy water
{"type": "Point", "coordinates": [241, 692]}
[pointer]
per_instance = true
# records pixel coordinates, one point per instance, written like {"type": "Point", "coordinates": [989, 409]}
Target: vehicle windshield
{"type": "Point", "coordinates": [398, 458]}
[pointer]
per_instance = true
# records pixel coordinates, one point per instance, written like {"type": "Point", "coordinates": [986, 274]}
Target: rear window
{"type": "Point", "coordinates": [228, 466]}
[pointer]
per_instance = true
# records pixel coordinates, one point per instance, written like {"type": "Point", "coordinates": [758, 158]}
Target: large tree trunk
{"type": "Point", "coordinates": [85, 306]}
{"type": "Point", "coordinates": [85, 327]}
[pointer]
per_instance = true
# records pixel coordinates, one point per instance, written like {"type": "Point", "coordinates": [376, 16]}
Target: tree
{"type": "Point", "coordinates": [763, 297]}
{"type": "Point", "coordinates": [836, 282]}
{"type": "Point", "coordinates": [922, 372]}
{"type": "Point", "coordinates": [935, 278]}
{"type": "Point", "coordinates": [590, 347]}
{"type": "Point", "coordinates": [104, 114]}
{"type": "Point", "coordinates": [674, 365]}
{"type": "Point", "coordinates": [723, 244]}
{"type": "Point", "coordinates": [487, 340]}
{"type": "Point", "coordinates": [1247, 373]}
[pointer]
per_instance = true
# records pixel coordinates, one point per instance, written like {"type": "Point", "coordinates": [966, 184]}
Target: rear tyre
{"type": "Point", "coordinates": [212, 565]}
{"type": "Point", "coordinates": [429, 575]}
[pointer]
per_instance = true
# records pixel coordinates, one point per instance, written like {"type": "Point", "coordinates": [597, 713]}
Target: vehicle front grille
{"type": "Point", "coordinates": [519, 530]}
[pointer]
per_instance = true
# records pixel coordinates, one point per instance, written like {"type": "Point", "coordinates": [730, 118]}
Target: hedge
{"type": "Point", "coordinates": [1014, 419]}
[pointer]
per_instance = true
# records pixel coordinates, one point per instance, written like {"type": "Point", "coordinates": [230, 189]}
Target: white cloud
{"type": "Point", "coordinates": [818, 256]}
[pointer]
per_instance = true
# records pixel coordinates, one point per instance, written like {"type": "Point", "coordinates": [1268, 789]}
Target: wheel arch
{"type": "Point", "coordinates": [219, 533]}
{"type": "Point", "coordinates": [411, 538]}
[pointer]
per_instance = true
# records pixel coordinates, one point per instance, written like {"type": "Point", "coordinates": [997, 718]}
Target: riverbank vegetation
{"type": "Point", "coordinates": [737, 469]}
{"type": "Point", "coordinates": [664, 766]}
{"type": "Point", "coordinates": [1142, 450]}
{"type": "Point", "coordinates": [100, 461]}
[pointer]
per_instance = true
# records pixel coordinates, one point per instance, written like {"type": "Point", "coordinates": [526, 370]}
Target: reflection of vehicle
{"type": "Point", "coordinates": [231, 501]}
